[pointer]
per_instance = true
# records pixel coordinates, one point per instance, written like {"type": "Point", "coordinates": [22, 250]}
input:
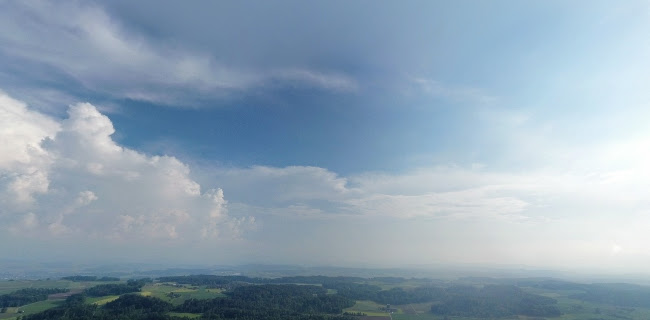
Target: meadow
{"type": "Point", "coordinates": [176, 294]}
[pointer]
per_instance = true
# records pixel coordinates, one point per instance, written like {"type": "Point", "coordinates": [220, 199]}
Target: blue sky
{"type": "Point", "coordinates": [500, 132]}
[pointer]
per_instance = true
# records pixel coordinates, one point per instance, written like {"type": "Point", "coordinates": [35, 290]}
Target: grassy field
{"type": "Point", "coordinates": [176, 295]}
{"type": "Point", "coordinates": [10, 286]}
{"type": "Point", "coordinates": [415, 308]}
{"type": "Point", "coordinates": [36, 307]}
{"type": "Point", "coordinates": [574, 309]}
{"type": "Point", "coordinates": [368, 307]}
{"type": "Point", "coordinates": [423, 316]}
{"type": "Point", "coordinates": [32, 308]}
{"type": "Point", "coordinates": [185, 314]}
{"type": "Point", "coordinates": [100, 301]}
{"type": "Point", "coordinates": [157, 290]}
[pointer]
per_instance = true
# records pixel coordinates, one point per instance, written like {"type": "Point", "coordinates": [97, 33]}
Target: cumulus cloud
{"type": "Point", "coordinates": [84, 42]}
{"type": "Point", "coordinates": [22, 156]}
{"type": "Point", "coordinates": [70, 178]}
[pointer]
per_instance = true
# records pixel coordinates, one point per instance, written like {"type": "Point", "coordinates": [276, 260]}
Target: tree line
{"type": "Point", "coordinates": [115, 289]}
{"type": "Point", "coordinates": [27, 296]}
{"type": "Point", "coordinates": [90, 278]}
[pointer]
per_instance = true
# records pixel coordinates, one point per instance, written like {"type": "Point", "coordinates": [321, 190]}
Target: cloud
{"type": "Point", "coordinates": [545, 217]}
{"type": "Point", "coordinates": [441, 193]}
{"type": "Point", "coordinates": [603, 187]}
{"type": "Point", "coordinates": [462, 204]}
{"type": "Point", "coordinates": [69, 178]}
{"type": "Point", "coordinates": [454, 93]}
{"type": "Point", "coordinates": [270, 185]}
{"type": "Point", "coordinates": [22, 156]}
{"type": "Point", "coordinates": [332, 81]}
{"type": "Point", "coordinates": [84, 43]}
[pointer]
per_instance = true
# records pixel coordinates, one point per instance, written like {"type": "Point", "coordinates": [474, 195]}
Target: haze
{"type": "Point", "coordinates": [351, 133]}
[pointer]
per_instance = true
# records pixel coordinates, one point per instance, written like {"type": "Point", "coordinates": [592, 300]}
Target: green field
{"type": "Point", "coordinates": [176, 295]}
{"type": "Point", "coordinates": [415, 308]}
{"type": "Point", "coordinates": [32, 308]}
{"type": "Point", "coordinates": [424, 316]}
{"type": "Point", "coordinates": [185, 314]}
{"type": "Point", "coordinates": [574, 309]}
{"type": "Point", "coordinates": [36, 307]}
{"type": "Point", "coordinates": [370, 308]}
{"type": "Point", "coordinates": [10, 286]}
{"type": "Point", "coordinates": [100, 301]}
{"type": "Point", "coordinates": [162, 291]}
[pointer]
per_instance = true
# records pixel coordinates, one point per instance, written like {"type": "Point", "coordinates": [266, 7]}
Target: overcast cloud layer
{"type": "Point", "coordinates": [326, 133]}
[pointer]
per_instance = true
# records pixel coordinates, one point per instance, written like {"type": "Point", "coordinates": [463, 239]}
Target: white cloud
{"type": "Point", "coordinates": [460, 204]}
{"type": "Point", "coordinates": [85, 198]}
{"type": "Point", "coordinates": [603, 195]}
{"type": "Point", "coordinates": [79, 182]}
{"type": "Point", "coordinates": [435, 193]}
{"type": "Point", "coordinates": [23, 161]}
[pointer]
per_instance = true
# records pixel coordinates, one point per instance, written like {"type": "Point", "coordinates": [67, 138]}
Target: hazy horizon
{"type": "Point", "coordinates": [340, 133]}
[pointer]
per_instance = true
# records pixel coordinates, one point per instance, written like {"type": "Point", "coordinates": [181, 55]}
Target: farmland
{"type": "Point", "coordinates": [176, 294]}
{"type": "Point", "coordinates": [342, 298]}
{"type": "Point", "coordinates": [172, 293]}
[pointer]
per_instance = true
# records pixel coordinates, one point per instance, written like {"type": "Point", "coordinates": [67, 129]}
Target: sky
{"type": "Point", "coordinates": [342, 133]}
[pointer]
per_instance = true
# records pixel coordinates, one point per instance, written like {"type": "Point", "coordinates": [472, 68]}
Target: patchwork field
{"type": "Point", "coordinates": [177, 294]}
{"type": "Point", "coordinates": [579, 302]}
{"type": "Point", "coordinates": [370, 308]}
{"type": "Point", "coordinates": [32, 308]}
{"type": "Point", "coordinates": [11, 286]}
{"type": "Point", "coordinates": [168, 292]}
{"type": "Point", "coordinates": [36, 307]}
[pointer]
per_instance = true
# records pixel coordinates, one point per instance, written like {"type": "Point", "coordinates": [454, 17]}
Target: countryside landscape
{"type": "Point", "coordinates": [316, 297]}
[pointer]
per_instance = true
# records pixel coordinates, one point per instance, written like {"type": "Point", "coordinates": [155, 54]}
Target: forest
{"type": "Point", "coordinates": [116, 289]}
